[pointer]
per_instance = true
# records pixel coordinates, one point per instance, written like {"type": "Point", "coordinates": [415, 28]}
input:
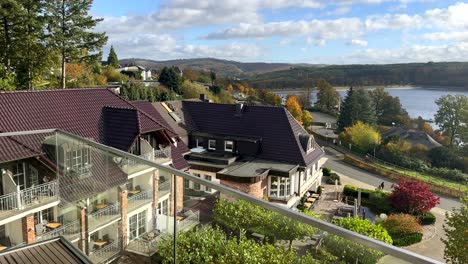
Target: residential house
{"type": "Point", "coordinates": [56, 185]}
{"type": "Point", "coordinates": [144, 73]}
{"type": "Point", "coordinates": [413, 136]}
{"type": "Point", "coordinates": [260, 150]}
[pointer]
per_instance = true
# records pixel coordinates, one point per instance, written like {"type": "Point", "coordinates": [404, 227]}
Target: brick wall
{"type": "Point", "coordinates": [83, 238]}
{"type": "Point", "coordinates": [27, 223]}
{"type": "Point", "coordinates": [179, 195]}
{"type": "Point", "coordinates": [155, 193]}
{"type": "Point", "coordinates": [254, 189]}
{"type": "Point", "coordinates": [123, 195]}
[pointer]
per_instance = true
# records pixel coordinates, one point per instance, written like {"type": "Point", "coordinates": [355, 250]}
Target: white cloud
{"type": "Point", "coordinates": [447, 36]}
{"type": "Point", "coordinates": [285, 42]}
{"type": "Point", "coordinates": [398, 21]}
{"type": "Point", "coordinates": [342, 10]}
{"type": "Point", "coordinates": [416, 53]}
{"type": "Point", "coordinates": [358, 42]}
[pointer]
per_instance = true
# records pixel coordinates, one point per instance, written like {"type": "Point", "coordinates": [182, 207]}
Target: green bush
{"type": "Point", "coordinates": [326, 171]}
{"type": "Point", "coordinates": [351, 252]}
{"type": "Point", "coordinates": [407, 239]}
{"type": "Point", "coordinates": [426, 218]}
{"type": "Point", "coordinates": [332, 178]}
{"type": "Point", "coordinates": [350, 190]}
{"type": "Point", "coordinates": [364, 227]}
{"type": "Point", "coordinates": [449, 174]}
{"type": "Point", "coordinates": [319, 190]}
{"type": "Point", "coordinates": [378, 202]}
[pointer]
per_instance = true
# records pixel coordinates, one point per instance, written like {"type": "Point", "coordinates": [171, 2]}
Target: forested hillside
{"type": "Point", "coordinates": [435, 74]}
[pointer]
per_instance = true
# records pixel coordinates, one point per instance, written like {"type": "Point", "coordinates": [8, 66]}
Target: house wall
{"type": "Point", "coordinates": [254, 189]}
{"type": "Point", "coordinates": [14, 231]}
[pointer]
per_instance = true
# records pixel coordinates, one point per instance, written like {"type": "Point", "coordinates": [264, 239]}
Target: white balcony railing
{"type": "Point", "coordinates": [140, 199]}
{"type": "Point", "coordinates": [164, 153]}
{"type": "Point", "coordinates": [145, 244]}
{"type": "Point", "coordinates": [164, 188]}
{"type": "Point", "coordinates": [70, 231]}
{"type": "Point", "coordinates": [103, 216]}
{"type": "Point", "coordinates": [192, 219]}
{"type": "Point", "coordinates": [105, 254]}
{"type": "Point", "coordinates": [22, 199]}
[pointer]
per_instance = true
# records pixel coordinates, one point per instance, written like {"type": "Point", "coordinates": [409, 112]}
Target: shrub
{"type": "Point", "coordinates": [426, 218]}
{"type": "Point", "coordinates": [364, 227]}
{"type": "Point", "coordinates": [319, 190]}
{"type": "Point", "coordinates": [351, 252]}
{"type": "Point", "coordinates": [350, 190]}
{"type": "Point", "coordinates": [399, 224]}
{"type": "Point", "coordinates": [408, 239]}
{"type": "Point", "coordinates": [449, 174]}
{"type": "Point", "coordinates": [326, 171]}
{"type": "Point", "coordinates": [413, 197]}
{"type": "Point", "coordinates": [332, 178]}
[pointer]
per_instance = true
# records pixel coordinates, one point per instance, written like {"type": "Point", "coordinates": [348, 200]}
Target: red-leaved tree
{"type": "Point", "coordinates": [413, 197]}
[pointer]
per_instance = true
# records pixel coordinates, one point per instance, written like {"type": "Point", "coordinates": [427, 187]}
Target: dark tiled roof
{"type": "Point", "coordinates": [278, 130]}
{"type": "Point", "coordinates": [54, 251]}
{"type": "Point", "coordinates": [178, 160]}
{"type": "Point", "coordinates": [121, 127]}
{"type": "Point", "coordinates": [78, 111]}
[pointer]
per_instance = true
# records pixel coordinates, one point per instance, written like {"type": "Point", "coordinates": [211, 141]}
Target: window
{"type": "Point", "coordinates": [151, 140]}
{"type": "Point", "coordinates": [137, 224]}
{"type": "Point", "coordinates": [33, 176]}
{"type": "Point", "coordinates": [163, 207]}
{"type": "Point", "coordinates": [196, 186]}
{"type": "Point", "coordinates": [228, 145]}
{"type": "Point", "coordinates": [212, 144]}
{"type": "Point", "coordinates": [199, 142]}
{"type": "Point", "coordinates": [186, 184]}
{"type": "Point", "coordinates": [19, 175]}
{"type": "Point", "coordinates": [208, 178]}
{"type": "Point", "coordinates": [78, 161]}
{"type": "Point", "coordinates": [280, 187]}
{"type": "Point", "coordinates": [44, 215]}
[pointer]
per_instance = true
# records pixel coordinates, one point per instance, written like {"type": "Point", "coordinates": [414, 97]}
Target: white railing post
{"type": "Point", "coordinates": [19, 198]}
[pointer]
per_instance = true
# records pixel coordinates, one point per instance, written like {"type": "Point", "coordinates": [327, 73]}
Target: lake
{"type": "Point", "coordinates": [417, 101]}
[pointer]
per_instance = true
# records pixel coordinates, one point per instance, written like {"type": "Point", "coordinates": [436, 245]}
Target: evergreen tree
{"type": "Point", "coordinates": [171, 78]}
{"type": "Point", "coordinates": [70, 28]}
{"type": "Point", "coordinates": [357, 106]}
{"type": "Point", "coordinates": [327, 97]}
{"type": "Point", "coordinates": [112, 59]}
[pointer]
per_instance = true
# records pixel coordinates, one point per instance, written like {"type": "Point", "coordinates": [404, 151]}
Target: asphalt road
{"type": "Point", "coordinates": [336, 163]}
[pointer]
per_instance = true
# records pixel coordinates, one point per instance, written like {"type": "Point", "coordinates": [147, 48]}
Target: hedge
{"type": "Point", "coordinates": [407, 239]}
{"type": "Point", "coordinates": [332, 178]}
{"type": "Point", "coordinates": [350, 190]}
{"type": "Point", "coordinates": [326, 171]}
{"type": "Point", "coordinates": [426, 218]}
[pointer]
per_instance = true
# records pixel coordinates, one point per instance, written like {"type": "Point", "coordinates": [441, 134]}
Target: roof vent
{"type": "Point", "coordinates": [239, 109]}
{"type": "Point", "coordinates": [204, 98]}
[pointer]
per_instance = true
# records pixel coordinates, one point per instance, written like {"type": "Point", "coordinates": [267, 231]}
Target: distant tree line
{"type": "Point", "coordinates": [439, 74]}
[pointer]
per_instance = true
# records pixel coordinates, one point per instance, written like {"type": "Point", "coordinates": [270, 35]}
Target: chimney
{"type": "Point", "coordinates": [204, 98]}
{"type": "Point", "coordinates": [239, 109]}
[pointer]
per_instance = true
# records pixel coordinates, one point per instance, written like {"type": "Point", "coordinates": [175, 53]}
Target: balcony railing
{"type": "Point", "coordinates": [192, 219]}
{"type": "Point", "coordinates": [144, 244]}
{"type": "Point", "coordinates": [104, 216]}
{"type": "Point", "coordinates": [107, 253]}
{"type": "Point", "coordinates": [30, 197]}
{"type": "Point", "coordinates": [70, 231]}
{"type": "Point", "coordinates": [139, 199]}
{"type": "Point", "coordinates": [164, 188]}
{"type": "Point", "coordinates": [164, 153]}
{"type": "Point", "coordinates": [337, 240]}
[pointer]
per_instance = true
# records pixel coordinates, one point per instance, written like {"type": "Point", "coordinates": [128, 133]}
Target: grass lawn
{"type": "Point", "coordinates": [426, 178]}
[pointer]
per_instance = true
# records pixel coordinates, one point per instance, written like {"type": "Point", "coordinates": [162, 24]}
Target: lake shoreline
{"type": "Point", "coordinates": [368, 87]}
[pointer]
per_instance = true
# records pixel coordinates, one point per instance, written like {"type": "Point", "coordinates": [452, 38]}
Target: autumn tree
{"type": "Point", "coordinates": [362, 136]}
{"type": "Point", "coordinates": [70, 29]}
{"type": "Point", "coordinates": [306, 119]}
{"type": "Point", "coordinates": [229, 88]}
{"type": "Point", "coordinates": [413, 197]}
{"type": "Point", "coordinates": [240, 87]}
{"type": "Point", "coordinates": [294, 107]}
{"type": "Point", "coordinates": [450, 116]}
{"type": "Point", "coordinates": [304, 100]}
{"type": "Point", "coordinates": [112, 59]}
{"type": "Point", "coordinates": [456, 231]}
{"type": "Point", "coordinates": [327, 96]}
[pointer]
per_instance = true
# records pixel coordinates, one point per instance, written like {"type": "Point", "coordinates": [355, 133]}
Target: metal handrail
{"type": "Point", "coordinates": [192, 219]}
{"type": "Point", "coordinates": [68, 230]}
{"type": "Point", "coordinates": [105, 253]}
{"type": "Point", "coordinates": [35, 193]}
{"type": "Point", "coordinates": [162, 153]}
{"type": "Point", "coordinates": [325, 226]}
{"type": "Point", "coordinates": [9, 201]}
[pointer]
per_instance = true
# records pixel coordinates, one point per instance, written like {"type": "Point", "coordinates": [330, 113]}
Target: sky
{"type": "Point", "coordinates": [292, 31]}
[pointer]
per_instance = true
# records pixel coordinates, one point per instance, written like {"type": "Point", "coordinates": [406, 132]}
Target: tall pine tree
{"type": "Point", "coordinates": [112, 59]}
{"type": "Point", "coordinates": [357, 106]}
{"type": "Point", "coordinates": [70, 27]}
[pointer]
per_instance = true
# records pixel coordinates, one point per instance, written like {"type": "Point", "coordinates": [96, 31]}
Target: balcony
{"type": "Point", "coordinates": [162, 155]}
{"type": "Point", "coordinates": [110, 213]}
{"type": "Point", "coordinates": [71, 231]}
{"type": "Point", "coordinates": [145, 245]}
{"type": "Point", "coordinates": [139, 199]}
{"type": "Point", "coordinates": [106, 253]}
{"type": "Point", "coordinates": [22, 200]}
{"type": "Point", "coordinates": [164, 188]}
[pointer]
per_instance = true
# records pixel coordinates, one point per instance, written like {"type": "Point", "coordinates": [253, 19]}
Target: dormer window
{"type": "Point", "coordinates": [212, 144]}
{"type": "Point", "coordinates": [229, 145]}
{"type": "Point", "coordinates": [78, 161]}
{"type": "Point", "coordinates": [307, 142]}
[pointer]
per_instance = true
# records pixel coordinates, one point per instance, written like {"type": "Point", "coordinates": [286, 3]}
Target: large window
{"type": "Point", "coordinates": [137, 225]}
{"type": "Point", "coordinates": [33, 176]}
{"type": "Point", "coordinates": [280, 187]}
{"type": "Point", "coordinates": [208, 178]}
{"type": "Point", "coordinates": [186, 184]}
{"type": "Point", "coordinates": [196, 186]}
{"type": "Point", "coordinates": [78, 161]}
{"type": "Point", "coordinates": [212, 144]}
{"type": "Point", "coordinates": [19, 176]}
{"type": "Point", "coordinates": [163, 207]}
{"type": "Point", "coordinates": [228, 145]}
{"type": "Point", "coordinates": [44, 215]}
